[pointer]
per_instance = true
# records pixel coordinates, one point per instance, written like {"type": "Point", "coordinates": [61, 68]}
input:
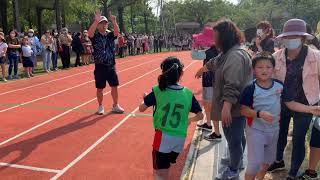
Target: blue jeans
{"type": "Point", "coordinates": [13, 64]}
{"type": "Point", "coordinates": [46, 59]}
{"type": "Point", "coordinates": [236, 141]}
{"type": "Point", "coordinates": [300, 129]}
{"type": "Point", "coordinates": [54, 59]}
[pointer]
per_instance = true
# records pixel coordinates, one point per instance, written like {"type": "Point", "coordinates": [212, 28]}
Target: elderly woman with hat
{"type": "Point", "coordinates": [298, 67]}
{"type": "Point", "coordinates": [3, 51]}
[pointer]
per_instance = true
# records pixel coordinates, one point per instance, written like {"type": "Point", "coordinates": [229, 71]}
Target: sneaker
{"type": "Point", "coordinates": [276, 166]}
{"type": "Point", "coordinates": [290, 178]}
{"type": "Point", "coordinates": [308, 174]}
{"type": "Point", "coordinates": [117, 109]}
{"type": "Point", "coordinates": [4, 79]}
{"type": "Point", "coordinates": [213, 137]}
{"type": "Point", "coordinates": [31, 75]}
{"type": "Point", "coordinates": [10, 77]}
{"type": "Point", "coordinates": [16, 77]}
{"type": "Point", "coordinates": [228, 174]}
{"type": "Point", "coordinates": [205, 126]}
{"type": "Point", "coordinates": [100, 110]}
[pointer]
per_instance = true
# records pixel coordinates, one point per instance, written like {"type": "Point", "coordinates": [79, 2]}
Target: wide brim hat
{"type": "Point", "coordinates": [295, 27]}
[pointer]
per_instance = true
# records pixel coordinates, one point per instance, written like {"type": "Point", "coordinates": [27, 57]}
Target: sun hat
{"type": "Point", "coordinates": [103, 18]}
{"type": "Point", "coordinates": [295, 27]}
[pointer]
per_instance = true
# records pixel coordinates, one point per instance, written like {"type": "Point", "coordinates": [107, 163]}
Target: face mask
{"type": "Point", "coordinates": [292, 43]}
{"type": "Point", "coordinates": [55, 34]}
{"type": "Point", "coordinates": [30, 34]}
{"type": "Point", "coordinates": [259, 32]}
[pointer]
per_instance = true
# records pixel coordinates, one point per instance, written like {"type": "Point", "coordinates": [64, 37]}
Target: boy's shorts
{"type": "Point", "coordinates": [104, 74]}
{"type": "Point", "coordinates": [207, 93]}
{"type": "Point", "coordinates": [262, 148]}
{"type": "Point", "coordinates": [166, 149]}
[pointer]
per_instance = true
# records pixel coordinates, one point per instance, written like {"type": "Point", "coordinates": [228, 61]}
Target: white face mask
{"type": "Point", "coordinates": [292, 43]}
{"type": "Point", "coordinates": [30, 34]}
{"type": "Point", "coordinates": [259, 32]}
{"type": "Point", "coordinates": [55, 33]}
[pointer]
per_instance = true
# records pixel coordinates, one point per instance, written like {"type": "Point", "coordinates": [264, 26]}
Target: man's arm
{"type": "Point", "coordinates": [115, 25]}
{"type": "Point", "coordinates": [94, 25]}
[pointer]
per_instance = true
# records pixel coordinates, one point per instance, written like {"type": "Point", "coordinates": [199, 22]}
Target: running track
{"type": "Point", "coordinates": [58, 142]}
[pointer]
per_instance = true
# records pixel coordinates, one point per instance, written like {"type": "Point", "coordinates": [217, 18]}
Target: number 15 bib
{"type": "Point", "coordinates": [172, 110]}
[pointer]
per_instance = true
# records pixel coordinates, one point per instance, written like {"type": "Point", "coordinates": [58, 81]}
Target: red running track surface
{"type": "Point", "coordinates": [45, 143]}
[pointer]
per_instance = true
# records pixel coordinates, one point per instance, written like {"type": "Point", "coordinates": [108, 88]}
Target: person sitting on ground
{"type": "Point", "coordinates": [172, 103]}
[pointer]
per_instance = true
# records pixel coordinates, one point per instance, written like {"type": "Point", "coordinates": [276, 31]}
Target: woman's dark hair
{"type": "Point", "coordinates": [229, 34]}
{"type": "Point", "coordinates": [266, 25]}
{"type": "Point", "coordinates": [172, 70]}
{"type": "Point", "coordinates": [262, 57]}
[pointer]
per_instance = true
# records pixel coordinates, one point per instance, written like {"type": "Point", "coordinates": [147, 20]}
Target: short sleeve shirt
{"type": "Point", "coordinates": [263, 99]}
{"type": "Point", "coordinates": [13, 41]}
{"type": "Point", "coordinates": [104, 48]}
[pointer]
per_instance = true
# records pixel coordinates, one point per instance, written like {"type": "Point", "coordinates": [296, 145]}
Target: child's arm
{"type": "Point", "coordinates": [148, 100]}
{"type": "Point", "coordinates": [248, 112]}
{"type": "Point", "coordinates": [143, 107]}
{"type": "Point", "coordinates": [196, 118]}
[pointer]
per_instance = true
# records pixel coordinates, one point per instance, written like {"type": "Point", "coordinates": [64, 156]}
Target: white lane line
{"type": "Point", "coordinates": [92, 146]}
{"type": "Point", "coordinates": [59, 92]}
{"type": "Point", "coordinates": [66, 112]}
{"type": "Point", "coordinates": [98, 141]}
{"type": "Point", "coordinates": [54, 80]}
{"type": "Point", "coordinates": [30, 168]}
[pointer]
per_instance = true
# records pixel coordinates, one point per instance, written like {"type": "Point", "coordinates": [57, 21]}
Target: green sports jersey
{"type": "Point", "coordinates": [172, 110]}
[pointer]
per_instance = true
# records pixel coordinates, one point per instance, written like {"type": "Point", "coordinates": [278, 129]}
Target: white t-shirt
{"type": "Point", "coordinates": [26, 51]}
{"type": "Point", "coordinates": [3, 46]}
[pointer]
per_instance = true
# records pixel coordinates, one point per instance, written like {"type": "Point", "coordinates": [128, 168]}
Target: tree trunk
{"type": "Point", "coordinates": [145, 15]}
{"type": "Point", "coordinates": [29, 17]}
{"type": "Point", "coordinates": [58, 14]}
{"type": "Point", "coordinates": [105, 7]}
{"type": "Point", "coordinates": [39, 19]}
{"type": "Point", "coordinates": [121, 21]}
{"type": "Point", "coordinates": [4, 14]}
{"type": "Point", "coordinates": [63, 17]}
{"type": "Point", "coordinates": [131, 19]}
{"type": "Point", "coordinates": [16, 16]}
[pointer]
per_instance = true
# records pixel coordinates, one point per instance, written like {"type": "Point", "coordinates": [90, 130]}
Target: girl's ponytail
{"type": "Point", "coordinates": [171, 72]}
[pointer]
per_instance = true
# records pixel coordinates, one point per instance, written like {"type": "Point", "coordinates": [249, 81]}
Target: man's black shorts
{"type": "Point", "coordinates": [163, 160]}
{"type": "Point", "coordinates": [103, 73]}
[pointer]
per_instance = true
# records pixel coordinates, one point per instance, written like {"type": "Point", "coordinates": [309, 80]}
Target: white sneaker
{"type": "Point", "coordinates": [117, 109]}
{"type": "Point", "coordinates": [100, 110]}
